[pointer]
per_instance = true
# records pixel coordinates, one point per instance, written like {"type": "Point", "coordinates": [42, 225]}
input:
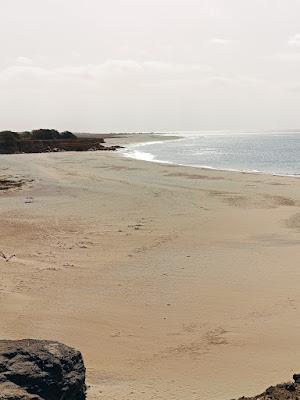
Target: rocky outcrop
{"type": "Point", "coordinates": [283, 391]}
{"type": "Point", "coordinates": [48, 140]}
{"type": "Point", "coordinates": [40, 370]}
{"type": "Point", "coordinates": [45, 146]}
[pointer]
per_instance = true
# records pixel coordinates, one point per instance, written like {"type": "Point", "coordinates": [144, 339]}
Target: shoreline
{"type": "Point", "coordinates": [204, 167]}
{"type": "Point", "coordinates": [159, 274]}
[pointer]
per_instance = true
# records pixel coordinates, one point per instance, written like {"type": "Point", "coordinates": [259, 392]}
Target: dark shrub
{"type": "Point", "coordinates": [8, 142]}
{"type": "Point", "coordinates": [45, 134]}
{"type": "Point", "coordinates": [25, 135]}
{"type": "Point", "coordinates": [68, 135]}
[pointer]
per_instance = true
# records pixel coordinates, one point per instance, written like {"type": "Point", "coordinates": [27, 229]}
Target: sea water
{"type": "Point", "coordinates": [266, 152]}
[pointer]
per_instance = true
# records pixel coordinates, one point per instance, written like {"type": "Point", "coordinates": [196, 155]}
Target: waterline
{"type": "Point", "coordinates": [274, 153]}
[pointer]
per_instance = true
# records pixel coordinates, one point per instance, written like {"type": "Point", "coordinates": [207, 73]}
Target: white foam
{"type": "Point", "coordinates": [133, 151]}
{"type": "Point", "coordinates": [139, 155]}
{"type": "Point", "coordinates": [143, 156]}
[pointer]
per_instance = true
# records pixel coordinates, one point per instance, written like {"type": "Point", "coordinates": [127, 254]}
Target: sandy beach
{"type": "Point", "coordinates": [174, 282]}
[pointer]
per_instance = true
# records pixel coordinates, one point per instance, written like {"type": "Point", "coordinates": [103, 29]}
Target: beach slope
{"type": "Point", "coordinates": [174, 282]}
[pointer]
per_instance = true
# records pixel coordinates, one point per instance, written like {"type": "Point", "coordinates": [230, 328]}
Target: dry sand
{"type": "Point", "coordinates": [174, 282]}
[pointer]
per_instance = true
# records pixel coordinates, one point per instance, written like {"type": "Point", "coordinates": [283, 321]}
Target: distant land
{"type": "Point", "coordinates": [49, 140]}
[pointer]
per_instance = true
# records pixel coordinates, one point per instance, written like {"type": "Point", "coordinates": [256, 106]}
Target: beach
{"type": "Point", "coordinates": [174, 282]}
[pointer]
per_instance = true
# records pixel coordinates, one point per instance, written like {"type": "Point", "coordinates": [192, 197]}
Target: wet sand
{"type": "Point", "coordinates": [174, 282]}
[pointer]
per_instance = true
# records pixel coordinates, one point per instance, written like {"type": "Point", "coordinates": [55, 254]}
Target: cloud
{"type": "Point", "coordinates": [116, 79]}
{"type": "Point", "coordinates": [123, 75]}
{"type": "Point", "coordinates": [288, 57]}
{"type": "Point", "coordinates": [24, 61]}
{"type": "Point", "coordinates": [294, 41]}
{"type": "Point", "coordinates": [127, 71]}
{"type": "Point", "coordinates": [220, 41]}
{"type": "Point", "coordinates": [293, 87]}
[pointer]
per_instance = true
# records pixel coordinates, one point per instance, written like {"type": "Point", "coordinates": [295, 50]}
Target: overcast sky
{"type": "Point", "coordinates": [149, 65]}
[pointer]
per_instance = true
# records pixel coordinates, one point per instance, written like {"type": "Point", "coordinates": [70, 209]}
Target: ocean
{"type": "Point", "coordinates": [276, 153]}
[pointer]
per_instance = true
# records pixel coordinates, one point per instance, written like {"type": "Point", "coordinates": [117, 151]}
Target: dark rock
{"type": "Point", "coordinates": [296, 378]}
{"type": "Point", "coordinates": [283, 391]}
{"type": "Point", "coordinates": [115, 147]}
{"type": "Point", "coordinates": [291, 387]}
{"type": "Point", "coordinates": [40, 370]}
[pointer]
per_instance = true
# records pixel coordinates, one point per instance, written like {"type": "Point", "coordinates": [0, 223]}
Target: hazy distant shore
{"type": "Point", "coordinates": [174, 282]}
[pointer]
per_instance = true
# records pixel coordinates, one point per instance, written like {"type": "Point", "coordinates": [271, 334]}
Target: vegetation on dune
{"type": "Point", "coordinates": [48, 140]}
{"type": "Point", "coordinates": [38, 134]}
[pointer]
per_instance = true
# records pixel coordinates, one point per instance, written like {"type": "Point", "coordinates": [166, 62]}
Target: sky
{"type": "Point", "coordinates": [149, 65]}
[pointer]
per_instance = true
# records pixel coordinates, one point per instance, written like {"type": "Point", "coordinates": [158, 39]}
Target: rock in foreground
{"type": "Point", "coordinates": [283, 391]}
{"type": "Point", "coordinates": [40, 370]}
